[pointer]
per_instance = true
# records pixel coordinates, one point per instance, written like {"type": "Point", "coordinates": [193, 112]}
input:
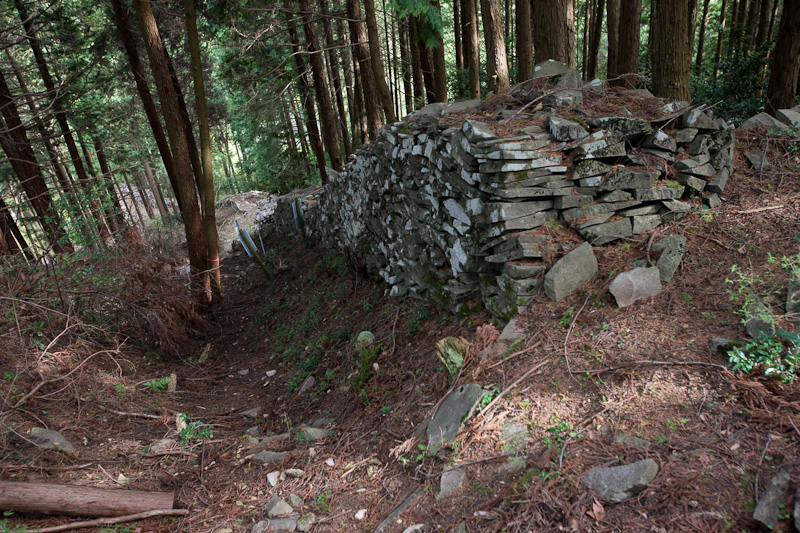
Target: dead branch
{"type": "Point", "coordinates": [115, 520]}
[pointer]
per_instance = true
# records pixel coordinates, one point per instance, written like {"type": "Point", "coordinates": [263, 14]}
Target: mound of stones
{"type": "Point", "coordinates": [451, 213]}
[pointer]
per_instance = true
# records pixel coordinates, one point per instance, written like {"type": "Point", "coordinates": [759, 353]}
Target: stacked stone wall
{"type": "Point", "coordinates": [460, 215]}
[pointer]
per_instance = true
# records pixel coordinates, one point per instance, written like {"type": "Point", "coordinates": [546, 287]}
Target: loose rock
{"type": "Point", "coordinates": [618, 483]}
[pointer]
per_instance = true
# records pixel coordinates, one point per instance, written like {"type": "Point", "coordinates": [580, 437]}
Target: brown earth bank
{"type": "Point", "coordinates": [584, 374]}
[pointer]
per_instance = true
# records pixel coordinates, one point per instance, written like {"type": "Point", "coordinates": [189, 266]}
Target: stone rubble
{"type": "Point", "coordinates": [456, 214]}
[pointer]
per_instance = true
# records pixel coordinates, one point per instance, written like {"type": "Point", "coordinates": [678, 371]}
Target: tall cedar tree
{"type": "Point", "coordinates": [496, 59]}
{"type": "Point", "coordinates": [209, 219]}
{"type": "Point", "coordinates": [612, 27]}
{"type": "Point", "coordinates": [472, 52]}
{"type": "Point", "coordinates": [439, 65]}
{"type": "Point", "coordinates": [594, 39]}
{"type": "Point", "coordinates": [358, 36]}
{"type": "Point", "coordinates": [627, 56]}
{"type": "Point", "coordinates": [782, 89]}
{"type": "Point", "coordinates": [18, 149]}
{"type": "Point", "coordinates": [305, 94]}
{"type": "Point", "coordinates": [195, 238]}
{"type": "Point", "coordinates": [377, 62]}
{"type": "Point", "coordinates": [554, 31]}
{"type": "Point", "coordinates": [524, 40]}
{"type": "Point", "coordinates": [670, 49]}
{"type": "Point", "coordinates": [336, 79]}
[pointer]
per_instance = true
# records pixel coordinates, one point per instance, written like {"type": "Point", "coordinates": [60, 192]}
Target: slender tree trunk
{"type": "Point", "coordinates": [116, 216]}
{"type": "Point", "coordinates": [612, 25]}
{"type": "Point", "coordinates": [439, 66]}
{"type": "Point", "coordinates": [305, 95]}
{"type": "Point", "coordinates": [335, 78]}
{"type": "Point", "coordinates": [195, 238]}
{"type": "Point", "coordinates": [12, 234]}
{"type": "Point", "coordinates": [782, 88]}
{"type": "Point", "coordinates": [191, 143]}
{"type": "Point", "coordinates": [392, 30]}
{"type": "Point", "coordinates": [416, 60]}
{"type": "Point", "coordinates": [209, 217]}
{"type": "Point", "coordinates": [692, 22]}
{"type": "Point", "coordinates": [143, 195]}
{"type": "Point", "coordinates": [671, 50]}
{"type": "Point", "coordinates": [701, 38]}
{"type": "Point", "coordinates": [347, 65]}
{"type": "Point", "coordinates": [772, 20]}
{"type": "Point", "coordinates": [426, 61]}
{"type": "Point", "coordinates": [627, 57]}
{"type": "Point", "coordinates": [457, 32]}
{"type": "Point", "coordinates": [471, 44]}
{"type": "Point", "coordinates": [763, 22]}
{"type": "Point", "coordinates": [144, 93]}
{"type": "Point", "coordinates": [145, 200]}
{"type": "Point", "coordinates": [524, 40]}
{"type": "Point", "coordinates": [153, 184]}
{"type": "Point", "coordinates": [405, 65]}
{"type": "Point", "coordinates": [15, 143]}
{"type": "Point", "coordinates": [720, 38]}
{"type": "Point", "coordinates": [554, 31]}
{"type": "Point", "coordinates": [496, 59]}
{"type": "Point", "coordinates": [104, 226]}
{"type": "Point", "coordinates": [594, 39]}
{"type": "Point", "coordinates": [751, 26]}
{"type": "Point", "coordinates": [376, 61]}
{"type": "Point", "coordinates": [358, 36]}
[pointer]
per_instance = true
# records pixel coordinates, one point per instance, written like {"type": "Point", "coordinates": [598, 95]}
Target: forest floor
{"type": "Point", "coordinates": [592, 370]}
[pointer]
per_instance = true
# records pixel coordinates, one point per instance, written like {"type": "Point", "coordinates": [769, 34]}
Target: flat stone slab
{"type": "Point", "coordinates": [276, 506]}
{"type": "Point", "coordinates": [453, 412]}
{"type": "Point", "coordinates": [618, 483]}
{"type": "Point", "coordinates": [267, 457]}
{"type": "Point", "coordinates": [571, 272]}
{"type": "Point", "coordinates": [548, 68]}
{"type": "Point", "coordinates": [49, 439]}
{"type": "Point", "coordinates": [788, 116]}
{"type": "Point", "coordinates": [404, 505]}
{"type": "Point", "coordinates": [566, 130]}
{"type": "Point", "coordinates": [762, 120]}
{"type": "Point", "coordinates": [673, 247]}
{"type": "Point", "coordinates": [450, 483]}
{"type": "Point", "coordinates": [769, 507]}
{"type": "Point", "coordinates": [635, 285]}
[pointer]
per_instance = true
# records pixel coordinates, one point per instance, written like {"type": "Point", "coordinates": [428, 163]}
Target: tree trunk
{"type": "Point", "coordinates": [627, 57]}
{"type": "Point", "coordinates": [763, 23]}
{"type": "Point", "coordinates": [782, 88]}
{"type": "Point", "coordinates": [416, 61]}
{"type": "Point", "coordinates": [426, 61]}
{"type": "Point", "coordinates": [358, 36]}
{"type": "Point", "coordinates": [145, 201]}
{"type": "Point", "coordinates": [554, 31]}
{"type": "Point", "coordinates": [612, 25]}
{"type": "Point", "coordinates": [335, 78]}
{"type": "Point", "coordinates": [144, 93]}
{"type": "Point", "coordinates": [692, 22]}
{"type": "Point", "coordinates": [347, 66]}
{"type": "Point", "coordinates": [117, 218]}
{"type": "Point", "coordinates": [670, 50]}
{"type": "Point", "coordinates": [15, 144]}
{"type": "Point", "coordinates": [12, 235]}
{"type": "Point", "coordinates": [524, 40]}
{"type": "Point", "coordinates": [143, 195]}
{"type": "Point", "coordinates": [439, 66]}
{"type": "Point", "coordinates": [405, 64]}
{"type": "Point", "coordinates": [496, 59]}
{"type": "Point", "coordinates": [209, 217]}
{"type": "Point", "coordinates": [195, 238]}
{"type": "Point", "coordinates": [305, 95]}
{"type": "Point", "coordinates": [751, 26]}
{"type": "Point", "coordinates": [393, 60]}
{"type": "Point", "coordinates": [457, 32]}
{"type": "Point", "coordinates": [701, 38]}
{"type": "Point", "coordinates": [720, 39]}
{"type": "Point", "coordinates": [78, 500]}
{"type": "Point", "coordinates": [153, 184]}
{"type": "Point", "coordinates": [594, 39]}
{"type": "Point", "coordinates": [474, 56]}
{"type": "Point", "coordinates": [772, 20]}
{"type": "Point", "coordinates": [379, 75]}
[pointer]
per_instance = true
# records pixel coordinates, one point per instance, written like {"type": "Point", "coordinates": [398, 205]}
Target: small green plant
{"type": "Point", "coordinates": [487, 398]}
{"type": "Point", "coordinates": [660, 439]}
{"type": "Point", "coordinates": [767, 352]}
{"type": "Point", "coordinates": [194, 430]}
{"type": "Point", "coordinates": [158, 385]}
{"type": "Point", "coordinates": [6, 527]}
{"type": "Point", "coordinates": [366, 354]}
{"type": "Point", "coordinates": [678, 423]}
{"type": "Point", "coordinates": [566, 319]}
{"type": "Point", "coordinates": [8, 376]}
{"type": "Point", "coordinates": [560, 433]}
{"type": "Point", "coordinates": [322, 501]}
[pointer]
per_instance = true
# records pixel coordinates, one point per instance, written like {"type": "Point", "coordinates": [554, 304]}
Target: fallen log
{"type": "Point", "coordinates": [52, 498]}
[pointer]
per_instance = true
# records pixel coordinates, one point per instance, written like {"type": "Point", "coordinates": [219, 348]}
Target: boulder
{"type": "Point", "coordinates": [454, 411]}
{"type": "Point", "coordinates": [672, 248]}
{"type": "Point", "coordinates": [788, 116]}
{"type": "Point", "coordinates": [451, 481]}
{"type": "Point", "coordinates": [635, 284]}
{"type": "Point", "coordinates": [772, 503]}
{"type": "Point", "coordinates": [549, 68]}
{"type": "Point", "coordinates": [618, 483]}
{"type": "Point", "coordinates": [571, 272]}
{"type": "Point", "coordinates": [762, 120]}
{"type": "Point", "coordinates": [566, 130]}
{"type": "Point", "coordinates": [49, 439]}
{"type": "Point", "coordinates": [276, 506]}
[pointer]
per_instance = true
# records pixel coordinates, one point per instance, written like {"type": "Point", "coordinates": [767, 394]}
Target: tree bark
{"type": "Point", "coordinates": [692, 22]}
{"type": "Point", "coordinates": [474, 56]}
{"type": "Point", "coordinates": [782, 88]}
{"type": "Point", "coordinates": [701, 38]}
{"type": "Point", "coordinates": [524, 40]}
{"type": "Point", "coordinates": [405, 65]}
{"type": "Point", "coordinates": [496, 59]}
{"type": "Point", "coordinates": [627, 56]}
{"type": "Point", "coordinates": [457, 32]}
{"type": "Point", "coordinates": [347, 66]}
{"type": "Point", "coordinates": [153, 184]}
{"type": "Point", "coordinates": [336, 79]}
{"type": "Point", "coordinates": [751, 26]}
{"type": "Point", "coordinates": [208, 212]}
{"type": "Point", "coordinates": [439, 65]}
{"type": "Point", "coordinates": [130, 182]}
{"type": "Point", "coordinates": [305, 95]}
{"type": "Point", "coordinates": [594, 39]}
{"type": "Point", "coordinates": [720, 37]}
{"type": "Point", "coordinates": [144, 93]}
{"type": "Point", "coordinates": [670, 50]}
{"type": "Point", "coordinates": [376, 61]}
{"type": "Point", "coordinates": [15, 143]}
{"type": "Point", "coordinates": [12, 235]}
{"type": "Point", "coordinates": [612, 25]}
{"type": "Point", "coordinates": [416, 61]}
{"type": "Point", "coordinates": [117, 217]}
{"type": "Point", "coordinates": [358, 36]}
{"type": "Point", "coordinates": [426, 61]}
{"type": "Point", "coordinates": [195, 238]}
{"type": "Point", "coordinates": [763, 22]}
{"type": "Point", "coordinates": [554, 31]}
{"type": "Point", "coordinates": [78, 500]}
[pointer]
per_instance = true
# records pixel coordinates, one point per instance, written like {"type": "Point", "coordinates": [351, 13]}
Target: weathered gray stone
{"type": "Point", "coordinates": [644, 223]}
{"type": "Point", "coordinates": [758, 318]}
{"type": "Point", "coordinates": [595, 220]}
{"type": "Point", "coordinates": [162, 445]}
{"type": "Point", "coordinates": [499, 211]}
{"type": "Point", "coordinates": [575, 200]}
{"type": "Point", "coordinates": [762, 120]}
{"type": "Point", "coordinates": [462, 105]}
{"type": "Point", "coordinates": [251, 413]}
{"type": "Point", "coordinates": [788, 116]}
{"type": "Point", "coordinates": [454, 411]}
{"type": "Point", "coordinates": [564, 97]}
{"type": "Point", "coordinates": [476, 131]}
{"type": "Point", "coordinates": [631, 440]}
{"type": "Point", "coordinates": [672, 248]}
{"type": "Point", "coordinates": [49, 439]}
{"type": "Point", "coordinates": [758, 160]}
{"type": "Point", "coordinates": [630, 128]}
{"type": "Point", "coordinates": [267, 457]}
{"type": "Point", "coordinates": [712, 200]}
{"type": "Point", "coordinates": [616, 196]}
{"type": "Point", "coordinates": [515, 437]}
{"type": "Point", "coordinates": [634, 285]}
{"type": "Point", "coordinates": [673, 210]}
{"type": "Point", "coordinates": [629, 179]}
{"type": "Point", "coordinates": [772, 503]}
{"type": "Point", "coordinates": [571, 79]}
{"type": "Point", "coordinates": [404, 505]}
{"type": "Point", "coordinates": [607, 232]}
{"type": "Point", "coordinates": [589, 167]}
{"type": "Point", "coordinates": [693, 182]}
{"type": "Point", "coordinates": [451, 481]}
{"type": "Point", "coordinates": [549, 68]}
{"type": "Point", "coordinates": [259, 527]}
{"type": "Point", "coordinates": [571, 272]}
{"type": "Point", "coordinates": [641, 93]}
{"type": "Point", "coordinates": [566, 130]}
{"type": "Point", "coordinates": [686, 135]}
{"type": "Point", "coordinates": [276, 507]}
{"type": "Point", "coordinates": [522, 271]}
{"type": "Point", "coordinates": [660, 140]}
{"type": "Point", "coordinates": [595, 209]}
{"type": "Point", "coordinates": [718, 183]}
{"type": "Point", "coordinates": [651, 209]}
{"type": "Point", "coordinates": [697, 118]}
{"type": "Point", "coordinates": [542, 160]}
{"type": "Point", "coordinates": [721, 346]}
{"type": "Point", "coordinates": [601, 144]}
{"type": "Point", "coordinates": [618, 483]}
{"type": "Point", "coordinates": [661, 154]}
{"type": "Point", "coordinates": [283, 524]}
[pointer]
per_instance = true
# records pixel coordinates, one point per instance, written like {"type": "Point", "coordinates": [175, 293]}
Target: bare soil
{"type": "Point", "coordinates": [718, 436]}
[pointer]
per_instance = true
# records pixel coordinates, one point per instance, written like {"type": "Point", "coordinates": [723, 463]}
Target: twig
{"type": "Point", "coordinates": [123, 413]}
{"type": "Point", "coordinates": [527, 373]}
{"type": "Point", "coordinates": [758, 210]}
{"type": "Point", "coordinates": [113, 520]}
{"type": "Point", "coordinates": [521, 352]}
{"type": "Point", "coordinates": [792, 423]}
{"type": "Point", "coordinates": [475, 462]}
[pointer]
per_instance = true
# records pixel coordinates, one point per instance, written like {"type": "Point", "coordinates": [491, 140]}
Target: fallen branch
{"type": "Point", "coordinates": [123, 413]}
{"type": "Point", "coordinates": [758, 210]}
{"type": "Point", "coordinates": [475, 462]}
{"type": "Point", "coordinates": [115, 520]}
